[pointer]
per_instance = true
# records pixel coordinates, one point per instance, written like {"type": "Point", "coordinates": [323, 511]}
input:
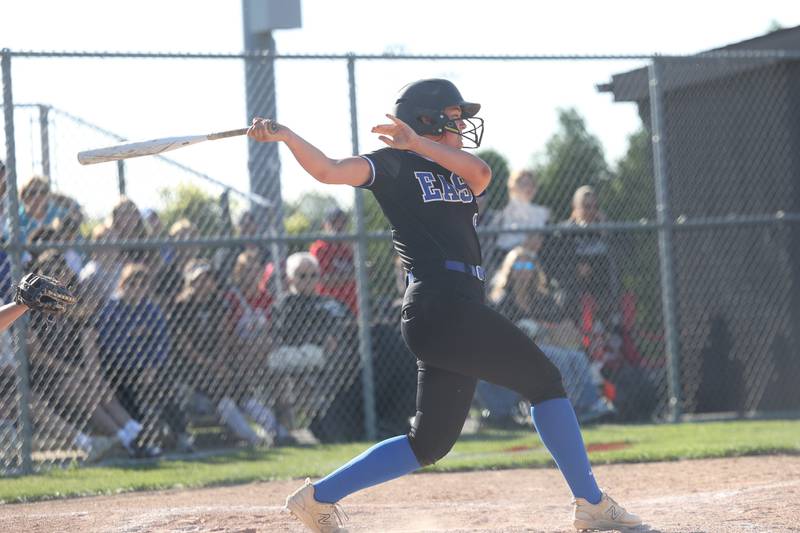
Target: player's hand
{"type": "Point", "coordinates": [267, 130]}
{"type": "Point", "coordinates": [398, 135]}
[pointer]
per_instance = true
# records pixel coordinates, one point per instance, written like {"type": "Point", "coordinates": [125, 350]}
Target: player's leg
{"type": "Point", "coordinates": [472, 339]}
{"type": "Point", "coordinates": [485, 345]}
{"type": "Point", "coordinates": [443, 401]}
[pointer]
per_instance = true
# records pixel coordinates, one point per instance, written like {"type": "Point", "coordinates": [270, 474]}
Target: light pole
{"type": "Point", "coordinates": [260, 18]}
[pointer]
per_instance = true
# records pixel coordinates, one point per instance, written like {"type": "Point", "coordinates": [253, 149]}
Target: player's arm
{"type": "Point", "coordinates": [473, 170]}
{"type": "Point", "coordinates": [9, 313]}
{"type": "Point", "coordinates": [348, 171]}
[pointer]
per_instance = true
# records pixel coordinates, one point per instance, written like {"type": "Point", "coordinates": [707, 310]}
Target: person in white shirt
{"type": "Point", "coordinates": [520, 211]}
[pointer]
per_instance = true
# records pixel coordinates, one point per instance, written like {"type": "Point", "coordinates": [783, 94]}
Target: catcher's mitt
{"type": "Point", "coordinates": [43, 294]}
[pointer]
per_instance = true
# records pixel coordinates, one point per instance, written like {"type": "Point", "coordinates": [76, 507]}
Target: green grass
{"type": "Point", "coordinates": [484, 451]}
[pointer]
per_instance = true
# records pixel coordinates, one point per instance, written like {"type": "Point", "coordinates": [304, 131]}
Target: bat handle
{"type": "Point", "coordinates": [225, 134]}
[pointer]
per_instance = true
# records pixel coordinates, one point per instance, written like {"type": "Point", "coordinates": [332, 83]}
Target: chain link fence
{"type": "Point", "coordinates": [650, 246]}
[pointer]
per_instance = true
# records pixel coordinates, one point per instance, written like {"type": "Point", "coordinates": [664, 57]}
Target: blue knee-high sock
{"type": "Point", "coordinates": [386, 460]}
{"type": "Point", "coordinates": [558, 428]}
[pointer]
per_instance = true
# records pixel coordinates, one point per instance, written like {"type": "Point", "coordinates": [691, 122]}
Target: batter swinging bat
{"type": "Point", "coordinates": [156, 146]}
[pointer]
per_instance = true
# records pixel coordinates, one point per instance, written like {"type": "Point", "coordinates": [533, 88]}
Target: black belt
{"type": "Point", "coordinates": [475, 271]}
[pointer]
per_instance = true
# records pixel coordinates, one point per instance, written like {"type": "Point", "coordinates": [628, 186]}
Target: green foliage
{"type": "Point", "coordinates": [630, 196]}
{"type": "Point", "coordinates": [380, 253]}
{"type": "Point", "coordinates": [307, 213]}
{"type": "Point", "coordinates": [202, 208]}
{"type": "Point", "coordinates": [497, 192]}
{"type": "Point", "coordinates": [573, 157]}
{"type": "Point", "coordinates": [630, 193]}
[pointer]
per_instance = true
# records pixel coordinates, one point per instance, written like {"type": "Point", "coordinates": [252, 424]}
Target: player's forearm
{"type": "Point", "coordinates": [473, 170]}
{"type": "Point", "coordinates": [310, 157]}
{"type": "Point", "coordinates": [10, 313]}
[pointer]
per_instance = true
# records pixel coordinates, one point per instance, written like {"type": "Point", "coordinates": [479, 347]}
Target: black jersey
{"type": "Point", "coordinates": [432, 211]}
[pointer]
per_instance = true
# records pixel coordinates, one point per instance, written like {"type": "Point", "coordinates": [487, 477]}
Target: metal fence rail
{"type": "Point", "coordinates": [220, 307]}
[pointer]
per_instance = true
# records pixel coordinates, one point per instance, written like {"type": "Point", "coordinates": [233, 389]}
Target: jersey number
{"type": "Point", "coordinates": [440, 189]}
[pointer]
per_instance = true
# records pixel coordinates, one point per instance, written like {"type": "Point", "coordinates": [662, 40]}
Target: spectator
{"type": "Point", "coordinates": [268, 284]}
{"type": "Point", "coordinates": [315, 339]}
{"type": "Point", "coordinates": [205, 347]}
{"type": "Point", "coordinates": [135, 347]}
{"type": "Point", "coordinates": [38, 207]}
{"type": "Point", "coordinates": [303, 306]}
{"type": "Point", "coordinates": [68, 228]}
{"type": "Point", "coordinates": [127, 224]}
{"type": "Point", "coordinates": [336, 262]}
{"type": "Point", "coordinates": [66, 370]}
{"type": "Point", "coordinates": [593, 267]}
{"type": "Point", "coordinates": [249, 322]}
{"type": "Point", "coordinates": [590, 277]}
{"type": "Point", "coordinates": [99, 278]}
{"type": "Point", "coordinates": [225, 258]}
{"type": "Point", "coordinates": [524, 294]}
{"type": "Point", "coordinates": [170, 277]}
{"type": "Point", "coordinates": [520, 210]}
{"type": "Point", "coordinates": [152, 222]}
{"type": "Point", "coordinates": [248, 306]}
{"type": "Point", "coordinates": [521, 288]}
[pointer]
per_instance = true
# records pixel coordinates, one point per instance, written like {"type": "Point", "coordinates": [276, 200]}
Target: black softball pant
{"type": "Point", "coordinates": [457, 340]}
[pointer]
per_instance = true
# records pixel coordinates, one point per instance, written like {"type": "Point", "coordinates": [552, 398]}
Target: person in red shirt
{"type": "Point", "coordinates": [336, 263]}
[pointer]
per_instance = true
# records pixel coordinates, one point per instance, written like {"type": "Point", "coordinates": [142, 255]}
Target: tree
{"type": "Point", "coordinates": [630, 196]}
{"type": "Point", "coordinates": [573, 157]}
{"type": "Point", "coordinates": [630, 193]}
{"type": "Point", "coordinates": [497, 192]}
{"type": "Point", "coordinates": [202, 208]}
{"type": "Point", "coordinates": [307, 213]}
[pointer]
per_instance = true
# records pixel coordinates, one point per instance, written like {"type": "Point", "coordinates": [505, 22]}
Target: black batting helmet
{"type": "Point", "coordinates": [421, 105]}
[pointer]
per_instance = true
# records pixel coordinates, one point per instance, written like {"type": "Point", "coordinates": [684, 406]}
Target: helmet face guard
{"type": "Point", "coordinates": [421, 105]}
{"type": "Point", "coordinates": [472, 131]}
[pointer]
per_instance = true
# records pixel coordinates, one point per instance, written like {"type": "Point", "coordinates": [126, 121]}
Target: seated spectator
{"type": "Point", "coordinates": [248, 306]}
{"type": "Point", "coordinates": [303, 307]}
{"type": "Point", "coordinates": [135, 348]}
{"type": "Point", "coordinates": [315, 340]}
{"type": "Point", "coordinates": [249, 323]}
{"type": "Point", "coordinates": [155, 228]}
{"type": "Point", "coordinates": [587, 270]}
{"type": "Point", "coordinates": [520, 210]}
{"type": "Point", "coordinates": [66, 371]}
{"type": "Point", "coordinates": [225, 258]}
{"type": "Point", "coordinates": [270, 286]}
{"type": "Point", "coordinates": [204, 345]}
{"type": "Point", "coordinates": [127, 224]}
{"type": "Point", "coordinates": [523, 293]}
{"type": "Point", "coordinates": [37, 207]}
{"type": "Point", "coordinates": [170, 275]}
{"type": "Point", "coordinates": [521, 288]}
{"type": "Point", "coordinates": [336, 262]}
{"type": "Point", "coordinates": [68, 229]}
{"type": "Point", "coordinates": [99, 278]}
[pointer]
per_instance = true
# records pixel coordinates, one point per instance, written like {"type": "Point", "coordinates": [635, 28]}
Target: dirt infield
{"type": "Point", "coordinates": [753, 494]}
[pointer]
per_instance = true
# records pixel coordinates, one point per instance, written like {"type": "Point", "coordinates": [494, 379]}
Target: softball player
{"type": "Point", "coordinates": [426, 186]}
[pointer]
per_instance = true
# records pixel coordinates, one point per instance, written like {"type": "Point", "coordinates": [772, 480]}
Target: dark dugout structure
{"type": "Point", "coordinates": [731, 151]}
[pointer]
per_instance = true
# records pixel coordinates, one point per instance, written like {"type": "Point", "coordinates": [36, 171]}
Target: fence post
{"type": "Point", "coordinates": [44, 135]}
{"type": "Point", "coordinates": [362, 282]}
{"type": "Point", "coordinates": [665, 223]}
{"type": "Point", "coordinates": [121, 177]}
{"type": "Point", "coordinates": [15, 254]}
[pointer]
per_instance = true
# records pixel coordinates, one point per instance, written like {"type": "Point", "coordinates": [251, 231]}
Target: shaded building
{"type": "Point", "coordinates": [731, 131]}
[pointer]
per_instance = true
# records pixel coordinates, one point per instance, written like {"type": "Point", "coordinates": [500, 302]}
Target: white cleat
{"type": "Point", "coordinates": [317, 516]}
{"type": "Point", "coordinates": [607, 514]}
